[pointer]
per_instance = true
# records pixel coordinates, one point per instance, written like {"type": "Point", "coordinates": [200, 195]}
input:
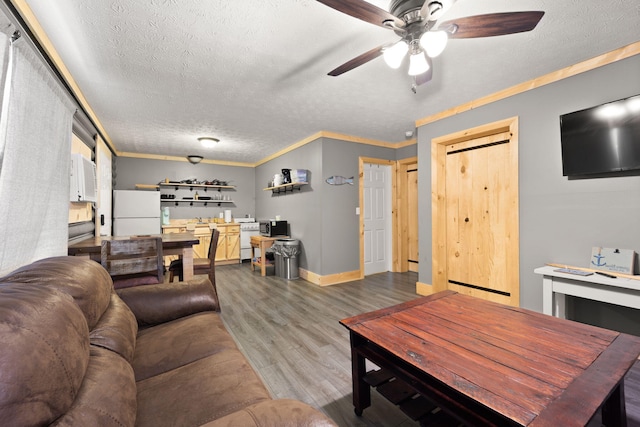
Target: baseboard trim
{"type": "Point", "coordinates": [424, 289]}
{"type": "Point", "coordinates": [331, 279]}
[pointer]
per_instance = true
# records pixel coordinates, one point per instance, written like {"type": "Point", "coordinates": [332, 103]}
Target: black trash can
{"type": "Point", "coordinates": [286, 252]}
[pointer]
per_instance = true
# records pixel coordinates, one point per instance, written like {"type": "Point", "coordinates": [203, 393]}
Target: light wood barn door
{"type": "Point", "coordinates": [406, 255]}
{"type": "Point", "coordinates": [479, 212]}
{"type": "Point", "coordinates": [412, 217]}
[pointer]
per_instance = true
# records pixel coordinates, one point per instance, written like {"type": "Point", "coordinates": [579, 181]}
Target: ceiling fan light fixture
{"type": "Point", "coordinates": [418, 64]}
{"type": "Point", "coordinates": [634, 105]}
{"type": "Point", "coordinates": [193, 159]}
{"type": "Point", "coordinates": [434, 42]}
{"type": "Point", "coordinates": [394, 55]}
{"type": "Point", "coordinates": [208, 141]}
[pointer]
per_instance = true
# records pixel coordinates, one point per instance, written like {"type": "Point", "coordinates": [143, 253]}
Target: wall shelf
{"type": "Point", "coordinates": [178, 186]}
{"type": "Point", "coordinates": [284, 188]}
{"type": "Point", "coordinates": [147, 187]}
{"type": "Point", "coordinates": [205, 187]}
{"type": "Point", "coordinates": [218, 200]}
{"type": "Point", "coordinates": [191, 202]}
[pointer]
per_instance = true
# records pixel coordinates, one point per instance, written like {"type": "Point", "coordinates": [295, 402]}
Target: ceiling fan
{"type": "Point", "coordinates": [415, 21]}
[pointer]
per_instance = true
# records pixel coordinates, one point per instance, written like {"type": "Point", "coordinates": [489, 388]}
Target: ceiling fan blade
{"type": "Point", "coordinates": [492, 24]}
{"type": "Point", "coordinates": [357, 61]}
{"type": "Point", "coordinates": [365, 11]}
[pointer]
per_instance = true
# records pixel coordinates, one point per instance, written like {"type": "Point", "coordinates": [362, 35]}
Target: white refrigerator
{"type": "Point", "coordinates": [136, 212]}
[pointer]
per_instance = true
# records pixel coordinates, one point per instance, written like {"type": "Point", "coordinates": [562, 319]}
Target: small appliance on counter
{"type": "Point", "coordinates": [165, 216]}
{"type": "Point", "coordinates": [286, 176]}
{"type": "Point", "coordinates": [272, 228]}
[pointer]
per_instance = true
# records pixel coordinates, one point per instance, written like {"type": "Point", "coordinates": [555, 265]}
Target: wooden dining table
{"type": "Point", "coordinates": [180, 244]}
{"type": "Point", "coordinates": [488, 364]}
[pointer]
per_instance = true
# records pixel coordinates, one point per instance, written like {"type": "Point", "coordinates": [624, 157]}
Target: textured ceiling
{"type": "Point", "coordinates": [160, 73]}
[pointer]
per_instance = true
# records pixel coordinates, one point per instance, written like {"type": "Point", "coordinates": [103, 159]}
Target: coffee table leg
{"type": "Point", "coordinates": [614, 411]}
{"type": "Point", "coordinates": [361, 390]}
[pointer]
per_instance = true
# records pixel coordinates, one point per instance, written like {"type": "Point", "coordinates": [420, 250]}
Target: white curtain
{"type": "Point", "coordinates": [35, 146]}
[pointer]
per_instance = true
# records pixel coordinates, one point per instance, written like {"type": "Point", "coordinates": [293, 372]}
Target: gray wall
{"type": "Point", "coordinates": [300, 208]}
{"type": "Point", "coordinates": [322, 216]}
{"type": "Point", "coordinates": [341, 239]}
{"type": "Point", "coordinates": [132, 171]}
{"type": "Point", "coordinates": [406, 152]}
{"type": "Point", "coordinates": [560, 219]}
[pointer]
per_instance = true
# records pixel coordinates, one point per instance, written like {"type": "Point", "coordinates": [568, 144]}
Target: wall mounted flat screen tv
{"type": "Point", "coordinates": [602, 140]}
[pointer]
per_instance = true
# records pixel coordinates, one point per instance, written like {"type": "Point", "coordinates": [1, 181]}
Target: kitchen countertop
{"type": "Point", "coordinates": [185, 223]}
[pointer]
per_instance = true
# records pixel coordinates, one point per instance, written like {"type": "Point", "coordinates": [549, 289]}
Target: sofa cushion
{"type": "Point", "coordinates": [116, 330]}
{"type": "Point", "coordinates": [155, 304]}
{"type": "Point", "coordinates": [173, 344]}
{"type": "Point", "coordinates": [107, 397]}
{"type": "Point", "coordinates": [199, 392]}
{"type": "Point", "coordinates": [44, 353]}
{"type": "Point", "coordinates": [86, 281]}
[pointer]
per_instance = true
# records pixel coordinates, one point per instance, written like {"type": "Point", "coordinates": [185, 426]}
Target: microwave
{"type": "Point", "coordinates": [271, 228]}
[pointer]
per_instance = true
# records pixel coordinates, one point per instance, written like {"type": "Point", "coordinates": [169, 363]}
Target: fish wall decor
{"type": "Point", "coordinates": [339, 180]}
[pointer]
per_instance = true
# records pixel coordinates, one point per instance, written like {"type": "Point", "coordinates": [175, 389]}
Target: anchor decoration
{"type": "Point", "coordinates": [598, 262]}
{"type": "Point", "coordinates": [613, 259]}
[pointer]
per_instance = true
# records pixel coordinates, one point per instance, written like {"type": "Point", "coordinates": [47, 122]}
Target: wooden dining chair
{"type": "Point", "coordinates": [200, 265]}
{"type": "Point", "coordinates": [134, 261]}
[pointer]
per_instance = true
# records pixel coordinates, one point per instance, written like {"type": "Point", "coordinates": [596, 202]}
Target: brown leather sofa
{"type": "Point", "coordinates": [74, 352]}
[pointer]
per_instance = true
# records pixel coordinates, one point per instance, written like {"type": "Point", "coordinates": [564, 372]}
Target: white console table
{"type": "Point", "coordinates": [555, 285]}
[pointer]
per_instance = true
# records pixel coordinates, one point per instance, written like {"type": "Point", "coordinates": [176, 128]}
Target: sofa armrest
{"type": "Point", "coordinates": [275, 413]}
{"type": "Point", "coordinates": [155, 304]}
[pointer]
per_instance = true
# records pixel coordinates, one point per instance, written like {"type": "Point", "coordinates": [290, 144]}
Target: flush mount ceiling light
{"type": "Point", "coordinates": [193, 159]}
{"type": "Point", "coordinates": [208, 141]}
{"type": "Point", "coordinates": [422, 35]}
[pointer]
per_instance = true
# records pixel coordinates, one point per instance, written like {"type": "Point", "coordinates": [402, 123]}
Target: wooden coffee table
{"type": "Point", "coordinates": [488, 364]}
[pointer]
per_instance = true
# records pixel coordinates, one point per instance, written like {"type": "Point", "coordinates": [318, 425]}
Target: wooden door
{"type": "Point", "coordinates": [228, 249]}
{"type": "Point", "coordinates": [221, 250]}
{"type": "Point", "coordinates": [406, 256]}
{"type": "Point", "coordinates": [412, 217]}
{"type": "Point", "coordinates": [233, 246]}
{"type": "Point", "coordinates": [476, 214]}
{"type": "Point", "coordinates": [201, 250]}
{"type": "Point", "coordinates": [205, 242]}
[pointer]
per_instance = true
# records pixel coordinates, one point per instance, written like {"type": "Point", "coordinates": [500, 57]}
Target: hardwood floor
{"type": "Point", "coordinates": [290, 333]}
